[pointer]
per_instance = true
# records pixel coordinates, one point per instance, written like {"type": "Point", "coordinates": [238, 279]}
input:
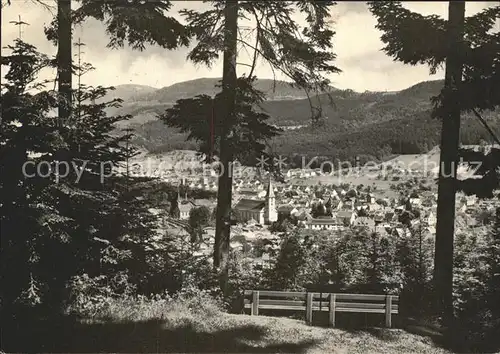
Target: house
{"type": "Point", "coordinates": [430, 219]}
{"type": "Point", "coordinates": [262, 211]}
{"type": "Point", "coordinates": [429, 232]}
{"type": "Point", "coordinates": [251, 193]}
{"type": "Point", "coordinates": [402, 232]}
{"type": "Point", "coordinates": [470, 200]}
{"type": "Point", "coordinates": [348, 205]}
{"type": "Point", "coordinates": [375, 207]}
{"type": "Point", "coordinates": [415, 201]}
{"type": "Point", "coordinates": [346, 217]}
{"type": "Point", "coordinates": [184, 209]}
{"type": "Point", "coordinates": [370, 198]}
{"type": "Point", "coordinates": [333, 204]}
{"type": "Point", "coordinates": [337, 204]}
{"type": "Point", "coordinates": [249, 209]}
{"type": "Point", "coordinates": [304, 216]}
{"type": "Point", "coordinates": [378, 218]}
{"type": "Point", "coordinates": [295, 212]}
{"type": "Point", "coordinates": [364, 222]}
{"type": "Point", "coordinates": [323, 224]}
{"type": "Point", "coordinates": [286, 211]}
{"type": "Point", "coordinates": [210, 204]}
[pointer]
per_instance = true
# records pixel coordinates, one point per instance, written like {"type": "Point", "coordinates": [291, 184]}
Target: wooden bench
{"type": "Point", "coordinates": [330, 302]}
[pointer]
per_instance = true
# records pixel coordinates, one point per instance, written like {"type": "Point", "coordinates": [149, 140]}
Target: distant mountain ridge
{"type": "Point", "coordinates": [130, 92]}
{"type": "Point", "coordinates": [274, 90]}
{"type": "Point", "coordinates": [287, 105]}
{"type": "Point", "coordinates": [370, 124]}
{"type": "Point", "coordinates": [145, 102]}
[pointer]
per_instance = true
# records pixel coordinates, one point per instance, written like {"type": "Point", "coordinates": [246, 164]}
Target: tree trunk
{"type": "Point", "coordinates": [64, 59]}
{"type": "Point", "coordinates": [224, 195]}
{"type": "Point", "coordinates": [1, 10]}
{"type": "Point", "coordinates": [450, 133]}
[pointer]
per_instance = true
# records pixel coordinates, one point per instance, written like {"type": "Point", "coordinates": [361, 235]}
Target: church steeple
{"type": "Point", "coordinates": [270, 189]}
{"type": "Point", "coordinates": [271, 215]}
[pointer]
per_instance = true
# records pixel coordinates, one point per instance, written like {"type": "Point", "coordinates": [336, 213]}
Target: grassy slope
{"type": "Point", "coordinates": [192, 327]}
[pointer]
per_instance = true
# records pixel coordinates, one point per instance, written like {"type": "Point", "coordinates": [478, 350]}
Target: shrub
{"type": "Point", "coordinates": [89, 296]}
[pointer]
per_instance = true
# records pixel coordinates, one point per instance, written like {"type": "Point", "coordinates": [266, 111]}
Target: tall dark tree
{"type": "Point", "coordinates": [64, 59]}
{"type": "Point", "coordinates": [469, 43]}
{"type": "Point", "coordinates": [302, 54]}
{"type": "Point", "coordinates": [224, 195]}
{"type": "Point", "coordinates": [450, 135]}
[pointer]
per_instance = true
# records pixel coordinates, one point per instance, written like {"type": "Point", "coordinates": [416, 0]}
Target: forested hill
{"type": "Point", "coordinates": [274, 90]}
{"type": "Point", "coordinates": [366, 125]}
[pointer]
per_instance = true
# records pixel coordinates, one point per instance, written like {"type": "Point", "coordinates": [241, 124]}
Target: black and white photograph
{"type": "Point", "coordinates": [249, 176]}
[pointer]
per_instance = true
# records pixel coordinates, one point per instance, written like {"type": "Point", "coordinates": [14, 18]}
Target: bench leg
{"type": "Point", "coordinates": [331, 313]}
{"type": "Point", "coordinates": [388, 311]}
{"type": "Point", "coordinates": [255, 304]}
{"type": "Point", "coordinates": [309, 310]}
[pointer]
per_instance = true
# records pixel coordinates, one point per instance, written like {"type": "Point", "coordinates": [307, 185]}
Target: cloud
{"type": "Point", "coordinates": [345, 8]}
{"type": "Point", "coordinates": [356, 43]}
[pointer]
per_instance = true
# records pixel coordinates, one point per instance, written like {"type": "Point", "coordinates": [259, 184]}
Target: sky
{"type": "Point", "coordinates": [357, 45]}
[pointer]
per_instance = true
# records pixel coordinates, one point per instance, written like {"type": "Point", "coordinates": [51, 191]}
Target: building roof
{"type": "Point", "coordinates": [286, 208]}
{"type": "Point", "coordinates": [185, 206]}
{"type": "Point", "coordinates": [364, 220]}
{"type": "Point", "coordinates": [250, 205]}
{"type": "Point", "coordinates": [270, 189]}
{"type": "Point", "coordinates": [204, 202]}
{"type": "Point", "coordinates": [344, 214]}
{"type": "Point", "coordinates": [322, 221]}
{"type": "Point", "coordinates": [247, 190]}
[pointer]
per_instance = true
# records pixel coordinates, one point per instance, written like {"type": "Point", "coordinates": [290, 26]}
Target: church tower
{"type": "Point", "coordinates": [271, 215]}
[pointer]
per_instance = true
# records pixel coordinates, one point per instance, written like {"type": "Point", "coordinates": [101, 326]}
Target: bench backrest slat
{"type": "Point", "coordinates": [266, 293]}
{"type": "Point", "coordinates": [322, 296]}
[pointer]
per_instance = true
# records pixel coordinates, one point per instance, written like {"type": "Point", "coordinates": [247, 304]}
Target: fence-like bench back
{"type": "Point", "coordinates": [330, 302]}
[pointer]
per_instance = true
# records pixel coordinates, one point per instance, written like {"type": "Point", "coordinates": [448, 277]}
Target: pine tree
{"type": "Point", "coordinates": [174, 207]}
{"type": "Point", "coordinates": [493, 277]}
{"type": "Point", "coordinates": [415, 259]}
{"type": "Point", "coordinates": [289, 264]}
{"type": "Point", "coordinates": [75, 215]}
{"type": "Point", "coordinates": [303, 57]}
{"type": "Point", "coordinates": [469, 43]}
{"type": "Point", "coordinates": [20, 216]}
{"type": "Point", "coordinates": [135, 22]}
